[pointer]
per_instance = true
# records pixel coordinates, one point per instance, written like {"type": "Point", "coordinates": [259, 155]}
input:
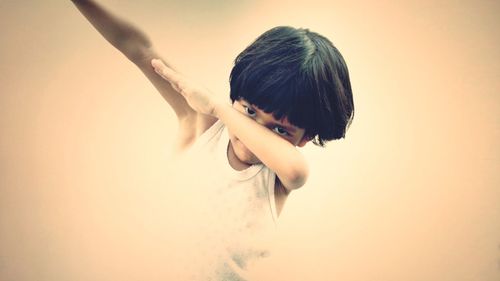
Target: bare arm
{"type": "Point", "coordinates": [275, 152]}
{"type": "Point", "coordinates": [136, 46]}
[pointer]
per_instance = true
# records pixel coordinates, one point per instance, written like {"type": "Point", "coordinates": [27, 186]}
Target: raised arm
{"type": "Point", "coordinates": [136, 46]}
{"type": "Point", "coordinates": [275, 152]}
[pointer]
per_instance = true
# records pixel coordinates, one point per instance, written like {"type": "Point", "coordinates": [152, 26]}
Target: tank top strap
{"type": "Point", "coordinates": [272, 198]}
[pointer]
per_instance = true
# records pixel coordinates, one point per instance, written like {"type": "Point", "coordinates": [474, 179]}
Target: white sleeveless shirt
{"type": "Point", "coordinates": [239, 219]}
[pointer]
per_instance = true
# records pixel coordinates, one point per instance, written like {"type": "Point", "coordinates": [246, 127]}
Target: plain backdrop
{"type": "Point", "coordinates": [412, 193]}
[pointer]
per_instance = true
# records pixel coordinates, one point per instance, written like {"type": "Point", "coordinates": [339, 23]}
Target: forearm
{"type": "Point", "coordinates": [122, 35]}
{"type": "Point", "coordinates": [275, 152]}
{"type": "Point", "coordinates": [135, 46]}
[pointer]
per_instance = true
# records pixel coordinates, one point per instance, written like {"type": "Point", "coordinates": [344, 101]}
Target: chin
{"type": "Point", "coordinates": [245, 155]}
{"type": "Point", "coordinates": [252, 160]}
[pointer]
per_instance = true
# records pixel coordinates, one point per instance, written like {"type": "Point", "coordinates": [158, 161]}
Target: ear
{"type": "Point", "coordinates": [304, 140]}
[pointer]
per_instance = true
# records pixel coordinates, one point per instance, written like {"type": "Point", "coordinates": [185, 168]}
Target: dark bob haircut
{"type": "Point", "coordinates": [299, 75]}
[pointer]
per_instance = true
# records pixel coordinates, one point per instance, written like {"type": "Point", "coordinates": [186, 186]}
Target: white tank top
{"type": "Point", "coordinates": [240, 216]}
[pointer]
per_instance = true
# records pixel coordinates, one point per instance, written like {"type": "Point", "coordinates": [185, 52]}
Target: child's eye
{"type": "Point", "coordinates": [280, 131]}
{"type": "Point", "coordinates": [250, 112]}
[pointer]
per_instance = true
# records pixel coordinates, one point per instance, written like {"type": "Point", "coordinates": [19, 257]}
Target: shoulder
{"type": "Point", "coordinates": [191, 128]}
{"type": "Point", "coordinates": [203, 123]}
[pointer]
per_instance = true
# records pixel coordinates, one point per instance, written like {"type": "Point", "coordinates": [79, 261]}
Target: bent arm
{"type": "Point", "coordinates": [275, 152]}
{"type": "Point", "coordinates": [137, 47]}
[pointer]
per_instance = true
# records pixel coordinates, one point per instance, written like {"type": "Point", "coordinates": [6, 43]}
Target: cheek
{"type": "Point", "coordinates": [297, 139]}
{"type": "Point", "coordinates": [289, 139]}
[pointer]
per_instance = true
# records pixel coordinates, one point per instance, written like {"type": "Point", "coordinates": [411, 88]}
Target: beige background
{"type": "Point", "coordinates": [412, 193]}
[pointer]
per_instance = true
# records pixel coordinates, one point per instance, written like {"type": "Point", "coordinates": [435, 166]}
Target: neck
{"type": "Point", "coordinates": [234, 162]}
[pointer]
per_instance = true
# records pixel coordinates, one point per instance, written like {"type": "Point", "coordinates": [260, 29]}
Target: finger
{"type": "Point", "coordinates": [165, 71]}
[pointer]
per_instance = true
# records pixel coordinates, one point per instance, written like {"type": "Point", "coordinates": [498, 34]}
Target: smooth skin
{"type": "Point", "coordinates": [256, 136]}
{"type": "Point", "coordinates": [253, 132]}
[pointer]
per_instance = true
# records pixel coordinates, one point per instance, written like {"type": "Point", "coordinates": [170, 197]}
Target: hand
{"type": "Point", "coordinates": [198, 97]}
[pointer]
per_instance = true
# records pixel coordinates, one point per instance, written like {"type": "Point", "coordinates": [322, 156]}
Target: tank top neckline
{"type": "Point", "coordinates": [241, 175]}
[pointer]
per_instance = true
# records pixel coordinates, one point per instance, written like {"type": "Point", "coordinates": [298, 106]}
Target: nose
{"type": "Point", "coordinates": [261, 121]}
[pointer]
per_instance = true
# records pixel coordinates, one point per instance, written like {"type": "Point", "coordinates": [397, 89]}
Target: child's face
{"type": "Point", "coordinates": [283, 128]}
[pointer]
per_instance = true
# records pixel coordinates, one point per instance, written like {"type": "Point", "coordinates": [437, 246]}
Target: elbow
{"type": "Point", "coordinates": [136, 53]}
{"type": "Point", "coordinates": [296, 176]}
{"type": "Point", "coordinates": [133, 44]}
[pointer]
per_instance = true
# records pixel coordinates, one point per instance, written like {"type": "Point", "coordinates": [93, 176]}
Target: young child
{"type": "Point", "coordinates": [289, 87]}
